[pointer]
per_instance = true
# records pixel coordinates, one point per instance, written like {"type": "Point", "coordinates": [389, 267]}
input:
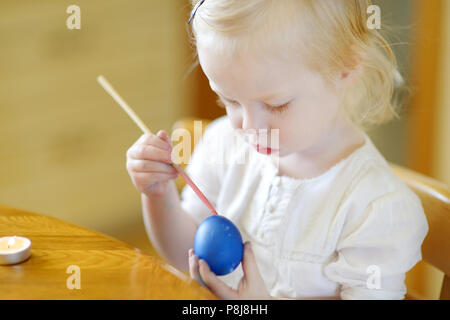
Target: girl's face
{"type": "Point", "coordinates": [263, 93]}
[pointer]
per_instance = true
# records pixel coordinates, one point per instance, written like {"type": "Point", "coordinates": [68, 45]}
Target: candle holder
{"type": "Point", "coordinates": [14, 250]}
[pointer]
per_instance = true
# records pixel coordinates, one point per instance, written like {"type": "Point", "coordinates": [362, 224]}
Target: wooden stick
{"type": "Point", "coordinates": [113, 93]}
{"type": "Point", "coordinates": [108, 87]}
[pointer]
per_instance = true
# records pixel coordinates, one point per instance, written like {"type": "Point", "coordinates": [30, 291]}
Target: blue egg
{"type": "Point", "coordinates": [219, 242]}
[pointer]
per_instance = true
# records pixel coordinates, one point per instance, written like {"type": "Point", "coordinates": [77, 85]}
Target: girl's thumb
{"type": "Point", "coordinates": [249, 262]}
{"type": "Point", "coordinates": [163, 135]}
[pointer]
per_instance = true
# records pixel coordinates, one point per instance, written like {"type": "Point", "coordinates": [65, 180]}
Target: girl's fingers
{"type": "Point", "coordinates": [191, 264]}
{"type": "Point", "coordinates": [149, 166]}
{"type": "Point", "coordinates": [149, 152]}
{"type": "Point", "coordinates": [194, 268]}
{"type": "Point", "coordinates": [155, 140]}
{"type": "Point", "coordinates": [163, 135]}
{"type": "Point", "coordinates": [148, 178]}
{"type": "Point", "coordinates": [217, 286]}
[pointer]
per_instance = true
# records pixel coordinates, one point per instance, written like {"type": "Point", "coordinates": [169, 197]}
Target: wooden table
{"type": "Point", "coordinates": [108, 268]}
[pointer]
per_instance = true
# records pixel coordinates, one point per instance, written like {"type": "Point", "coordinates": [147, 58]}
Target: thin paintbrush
{"type": "Point", "coordinates": [107, 86]}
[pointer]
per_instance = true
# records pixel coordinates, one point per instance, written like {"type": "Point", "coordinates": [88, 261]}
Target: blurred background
{"type": "Point", "coordinates": [63, 139]}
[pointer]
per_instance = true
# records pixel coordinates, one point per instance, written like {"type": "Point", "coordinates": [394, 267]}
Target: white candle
{"type": "Point", "coordinates": [11, 242]}
{"type": "Point", "coordinates": [14, 250]}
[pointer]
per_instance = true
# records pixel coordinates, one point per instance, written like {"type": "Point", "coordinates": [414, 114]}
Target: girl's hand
{"type": "Point", "coordinates": [250, 287]}
{"type": "Point", "coordinates": [149, 163]}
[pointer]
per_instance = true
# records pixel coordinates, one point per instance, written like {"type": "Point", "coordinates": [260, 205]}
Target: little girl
{"type": "Point", "coordinates": [324, 213]}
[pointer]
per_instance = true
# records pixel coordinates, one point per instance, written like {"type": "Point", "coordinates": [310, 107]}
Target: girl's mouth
{"type": "Point", "coordinates": [265, 150]}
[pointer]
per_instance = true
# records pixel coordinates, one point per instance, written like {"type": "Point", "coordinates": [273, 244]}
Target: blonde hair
{"type": "Point", "coordinates": [330, 35]}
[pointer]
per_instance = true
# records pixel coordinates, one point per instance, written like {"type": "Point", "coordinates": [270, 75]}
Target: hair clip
{"type": "Point", "coordinates": [195, 10]}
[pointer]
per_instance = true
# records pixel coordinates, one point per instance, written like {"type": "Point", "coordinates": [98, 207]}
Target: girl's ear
{"type": "Point", "coordinates": [348, 77]}
{"type": "Point", "coordinates": [351, 74]}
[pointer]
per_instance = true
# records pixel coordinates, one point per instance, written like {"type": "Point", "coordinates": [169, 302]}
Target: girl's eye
{"type": "Point", "coordinates": [279, 109]}
{"type": "Point", "coordinates": [276, 110]}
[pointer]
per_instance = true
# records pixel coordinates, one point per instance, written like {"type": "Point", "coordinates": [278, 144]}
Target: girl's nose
{"type": "Point", "coordinates": [252, 122]}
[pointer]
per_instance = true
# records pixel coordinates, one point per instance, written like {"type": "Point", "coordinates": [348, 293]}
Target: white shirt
{"type": "Point", "coordinates": [352, 232]}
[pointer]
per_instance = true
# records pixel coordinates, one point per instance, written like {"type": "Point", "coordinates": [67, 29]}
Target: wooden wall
{"type": "Point", "coordinates": [63, 140]}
